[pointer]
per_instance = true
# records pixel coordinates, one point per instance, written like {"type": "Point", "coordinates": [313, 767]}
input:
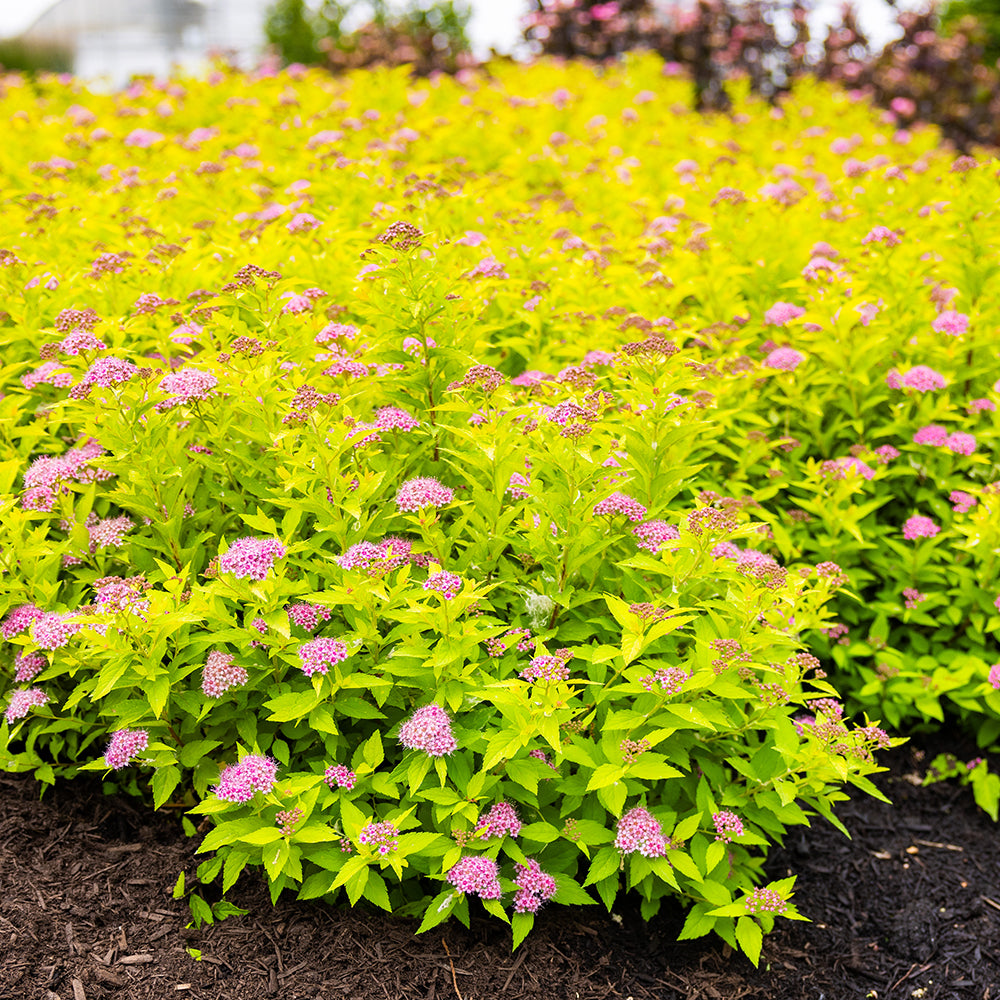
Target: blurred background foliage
{"type": "Point", "coordinates": [429, 35]}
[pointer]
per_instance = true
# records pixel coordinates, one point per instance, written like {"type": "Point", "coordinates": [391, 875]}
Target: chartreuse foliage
{"type": "Point", "coordinates": [286, 475]}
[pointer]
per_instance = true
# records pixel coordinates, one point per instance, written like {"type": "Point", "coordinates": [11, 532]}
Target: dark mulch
{"type": "Point", "coordinates": [909, 908]}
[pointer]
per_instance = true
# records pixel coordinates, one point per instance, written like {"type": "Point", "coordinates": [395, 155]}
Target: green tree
{"type": "Point", "coordinates": [290, 29]}
{"type": "Point", "coordinates": [955, 14]}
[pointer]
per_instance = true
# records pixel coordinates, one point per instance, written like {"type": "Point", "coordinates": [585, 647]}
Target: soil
{"type": "Point", "coordinates": [909, 907]}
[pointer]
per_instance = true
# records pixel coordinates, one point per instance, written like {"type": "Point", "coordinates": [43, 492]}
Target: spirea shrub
{"type": "Point", "coordinates": [465, 544]}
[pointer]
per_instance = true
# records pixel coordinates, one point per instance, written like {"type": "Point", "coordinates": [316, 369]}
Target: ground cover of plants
{"type": "Point", "coordinates": [893, 912]}
{"type": "Point", "coordinates": [501, 493]}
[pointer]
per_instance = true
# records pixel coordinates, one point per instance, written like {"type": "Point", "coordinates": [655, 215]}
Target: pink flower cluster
{"type": "Point", "coordinates": [500, 820]}
{"type": "Point", "coordinates": [962, 501]}
{"type": "Point", "coordinates": [124, 746]}
{"type": "Point", "coordinates": [320, 654]}
{"type": "Point", "coordinates": [54, 630]}
{"type": "Point", "coordinates": [994, 677]}
{"type": "Point", "coordinates": [78, 341]}
{"type": "Point", "coordinates": [784, 359]}
{"type": "Point", "coordinates": [727, 826]}
{"type": "Point", "coordinates": [952, 323]}
{"type": "Point", "coordinates": [669, 680]}
{"type": "Point", "coordinates": [121, 595]}
{"type": "Point", "coordinates": [341, 776]}
{"type": "Point", "coordinates": [919, 526]}
{"type": "Point", "coordinates": [393, 418]}
{"type": "Point", "coordinates": [108, 532]}
{"type": "Point", "coordinates": [308, 616]}
{"type": "Point", "coordinates": [838, 468]}
{"type": "Point", "coordinates": [653, 535]}
{"type": "Point", "coordinates": [251, 557]}
{"type": "Point", "coordinates": [186, 386]}
{"type": "Point", "coordinates": [384, 837]}
{"type": "Point", "coordinates": [478, 875]}
{"type": "Point", "coordinates": [766, 900]}
{"type": "Point", "coordinates": [376, 558]}
{"type": "Point", "coordinates": [913, 598]}
{"type": "Point", "coordinates": [783, 312]}
{"type": "Point", "coordinates": [961, 443]}
{"type": "Point", "coordinates": [239, 782]}
{"type": "Point", "coordinates": [534, 887]}
{"type": "Point", "coordinates": [428, 729]}
{"type": "Point", "coordinates": [22, 701]}
{"type": "Point", "coordinates": [639, 830]}
{"type": "Point", "coordinates": [549, 669]}
{"type": "Point", "coordinates": [620, 503]}
{"type": "Point", "coordinates": [50, 373]}
{"type": "Point", "coordinates": [109, 372]}
{"type": "Point", "coordinates": [18, 620]}
{"type": "Point", "coordinates": [923, 379]}
{"type": "Point", "coordinates": [497, 645]}
{"type": "Point", "coordinates": [28, 666]}
{"type": "Point", "coordinates": [49, 471]}
{"type": "Point", "coordinates": [932, 434]}
{"type": "Point", "coordinates": [446, 584]}
{"type": "Point", "coordinates": [882, 234]}
{"type": "Point", "coordinates": [415, 494]}
{"type": "Point", "coordinates": [220, 675]}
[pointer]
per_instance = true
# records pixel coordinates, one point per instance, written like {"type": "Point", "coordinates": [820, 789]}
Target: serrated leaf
{"type": "Point", "coordinates": [606, 862]}
{"type": "Point", "coordinates": [165, 780]}
{"type": "Point", "coordinates": [570, 892]}
{"type": "Point", "coordinates": [262, 835]}
{"type": "Point", "coordinates": [750, 938]}
{"type": "Point", "coordinates": [438, 910]}
{"type": "Point", "coordinates": [606, 774]}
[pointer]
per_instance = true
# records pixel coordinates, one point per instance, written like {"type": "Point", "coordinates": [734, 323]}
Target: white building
{"type": "Point", "coordinates": [115, 39]}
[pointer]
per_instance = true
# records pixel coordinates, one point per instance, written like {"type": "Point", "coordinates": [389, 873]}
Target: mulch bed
{"type": "Point", "coordinates": [910, 907]}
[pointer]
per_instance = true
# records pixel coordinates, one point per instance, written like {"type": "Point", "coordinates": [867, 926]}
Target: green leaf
{"type": "Point", "coordinates": [201, 912]}
{"type": "Point", "coordinates": [158, 691]}
{"type": "Point", "coordinates": [684, 863]}
{"type": "Point", "coordinates": [356, 708]}
{"type": "Point", "coordinates": [698, 923]}
{"type": "Point", "coordinates": [209, 869]}
{"type": "Point", "coordinates": [716, 852]}
{"type": "Point", "coordinates": [228, 832]}
{"type": "Point", "coordinates": [352, 819]}
{"type": "Point", "coordinates": [613, 797]}
{"type": "Point", "coordinates": [376, 892]}
{"type": "Point", "coordinates": [521, 924]}
{"type": "Point", "coordinates": [570, 892]}
{"type": "Point", "coordinates": [687, 827]}
{"type": "Point", "coordinates": [178, 892]}
{"type": "Point", "coordinates": [193, 752]}
{"type": "Point", "coordinates": [315, 833]}
{"type": "Point", "coordinates": [750, 937]}
{"type": "Point", "coordinates": [292, 706]}
{"type": "Point", "coordinates": [438, 910]}
{"type": "Point", "coordinates": [274, 857]}
{"type": "Point", "coordinates": [262, 835]}
{"type": "Point", "coordinates": [539, 833]}
{"type": "Point", "coordinates": [317, 884]}
{"type": "Point", "coordinates": [352, 867]}
{"type": "Point", "coordinates": [652, 767]}
{"type": "Point", "coordinates": [374, 753]}
{"type": "Point", "coordinates": [607, 889]}
{"type": "Point", "coordinates": [606, 774]}
{"type": "Point", "coordinates": [607, 861]}
{"type": "Point", "coordinates": [165, 780]}
{"type": "Point", "coordinates": [236, 861]}
{"type": "Point", "coordinates": [223, 909]}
